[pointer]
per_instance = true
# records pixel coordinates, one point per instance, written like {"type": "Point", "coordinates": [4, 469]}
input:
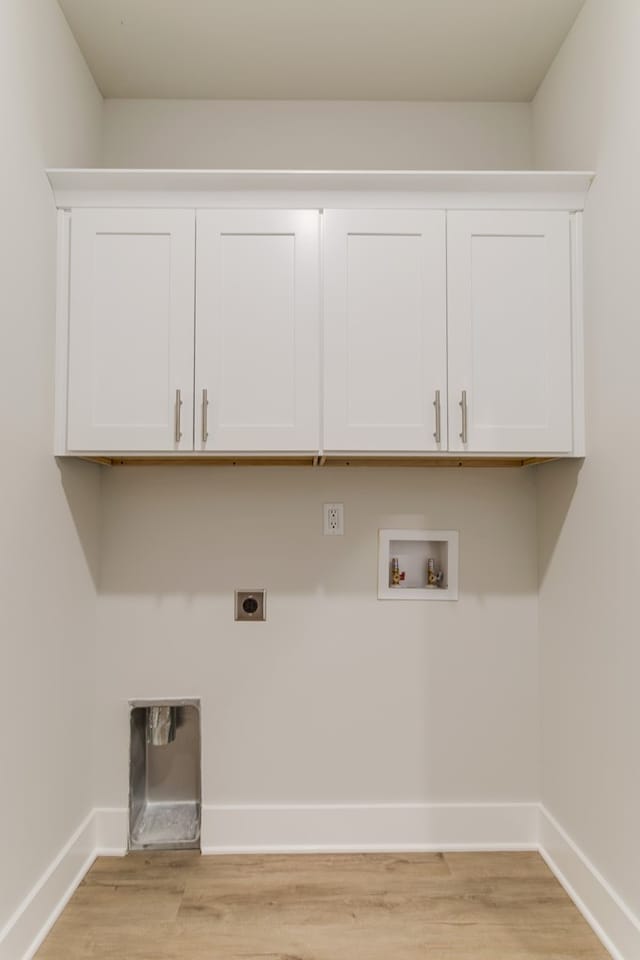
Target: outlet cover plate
{"type": "Point", "coordinates": [251, 605]}
{"type": "Point", "coordinates": [333, 519]}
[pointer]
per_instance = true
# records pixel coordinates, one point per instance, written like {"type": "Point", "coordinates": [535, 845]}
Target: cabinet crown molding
{"type": "Point", "coordinates": [450, 189]}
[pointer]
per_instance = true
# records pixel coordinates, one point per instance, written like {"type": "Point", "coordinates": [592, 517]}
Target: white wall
{"type": "Point", "coordinates": [338, 697]}
{"type": "Point", "coordinates": [586, 116]}
{"type": "Point", "coordinates": [316, 135]}
{"type": "Point", "coordinates": [51, 114]}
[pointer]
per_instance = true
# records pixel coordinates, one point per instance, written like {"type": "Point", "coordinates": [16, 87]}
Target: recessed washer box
{"type": "Point", "coordinates": [403, 565]}
{"type": "Point", "coordinates": [251, 604]}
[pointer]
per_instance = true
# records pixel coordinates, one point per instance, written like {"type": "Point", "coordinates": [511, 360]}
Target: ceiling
{"type": "Point", "coordinates": [320, 49]}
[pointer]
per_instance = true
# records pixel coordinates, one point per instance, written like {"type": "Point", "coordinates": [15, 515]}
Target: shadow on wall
{"type": "Point", "coordinates": [557, 484]}
{"type": "Point", "coordinates": [205, 532]}
{"type": "Point", "coordinates": [81, 483]}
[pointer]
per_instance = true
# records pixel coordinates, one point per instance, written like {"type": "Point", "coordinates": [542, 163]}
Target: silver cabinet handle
{"type": "Point", "coordinates": [205, 411]}
{"type": "Point", "coordinates": [178, 434]}
{"type": "Point", "coordinates": [463, 406]}
{"type": "Point", "coordinates": [436, 404]}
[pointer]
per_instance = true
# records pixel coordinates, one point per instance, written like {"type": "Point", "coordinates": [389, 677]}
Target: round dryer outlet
{"type": "Point", "coordinates": [250, 605]}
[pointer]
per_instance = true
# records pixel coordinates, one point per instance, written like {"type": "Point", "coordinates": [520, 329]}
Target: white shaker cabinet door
{"type": "Point", "coordinates": [257, 330]}
{"type": "Point", "coordinates": [509, 323]}
{"type": "Point", "coordinates": [131, 324]}
{"type": "Point", "coordinates": [385, 330]}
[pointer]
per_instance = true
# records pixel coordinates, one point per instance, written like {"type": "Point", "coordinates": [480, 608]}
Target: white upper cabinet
{"type": "Point", "coordinates": [257, 330]}
{"type": "Point", "coordinates": [385, 376]}
{"type": "Point", "coordinates": [320, 314]}
{"type": "Point", "coordinates": [131, 321]}
{"type": "Point", "coordinates": [510, 332]}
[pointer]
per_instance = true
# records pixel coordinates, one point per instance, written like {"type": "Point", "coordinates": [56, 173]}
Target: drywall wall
{"type": "Point", "coordinates": [51, 115]}
{"type": "Point", "coordinates": [316, 135]}
{"type": "Point", "coordinates": [586, 116]}
{"type": "Point", "coordinates": [338, 697]}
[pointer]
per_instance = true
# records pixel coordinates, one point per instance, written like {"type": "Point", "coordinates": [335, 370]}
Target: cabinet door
{"type": "Point", "coordinates": [257, 330]}
{"type": "Point", "coordinates": [385, 330]}
{"type": "Point", "coordinates": [509, 316]}
{"type": "Point", "coordinates": [131, 325]}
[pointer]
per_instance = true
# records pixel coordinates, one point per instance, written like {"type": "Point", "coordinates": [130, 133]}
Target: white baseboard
{"type": "Point", "coordinates": [30, 923]}
{"type": "Point", "coordinates": [112, 829]}
{"type": "Point", "coordinates": [369, 827]}
{"type": "Point", "coordinates": [609, 917]}
{"type": "Point", "coordinates": [331, 828]}
{"type": "Point", "coordinates": [24, 932]}
{"type": "Point", "coordinates": [341, 828]}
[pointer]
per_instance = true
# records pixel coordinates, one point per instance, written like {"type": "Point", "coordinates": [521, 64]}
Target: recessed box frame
{"type": "Point", "coordinates": [413, 548]}
{"type": "Point", "coordinates": [165, 781]}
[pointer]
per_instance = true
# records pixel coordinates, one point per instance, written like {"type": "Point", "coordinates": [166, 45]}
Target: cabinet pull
{"type": "Point", "coordinates": [205, 419]}
{"type": "Point", "coordinates": [178, 434]}
{"type": "Point", "coordinates": [463, 407]}
{"type": "Point", "coordinates": [436, 404]}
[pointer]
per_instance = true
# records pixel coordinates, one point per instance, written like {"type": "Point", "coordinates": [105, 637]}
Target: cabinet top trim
{"type": "Point", "coordinates": [452, 188]}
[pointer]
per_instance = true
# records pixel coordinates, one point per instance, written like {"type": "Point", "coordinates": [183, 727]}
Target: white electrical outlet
{"type": "Point", "coordinates": [333, 525]}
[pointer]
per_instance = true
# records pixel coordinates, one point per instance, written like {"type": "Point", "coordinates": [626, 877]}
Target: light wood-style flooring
{"type": "Point", "coordinates": [454, 906]}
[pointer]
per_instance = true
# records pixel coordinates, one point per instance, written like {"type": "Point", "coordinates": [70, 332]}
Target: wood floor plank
{"type": "Point", "coordinates": [164, 868]}
{"type": "Point", "coordinates": [172, 906]}
{"type": "Point", "coordinates": [525, 863]}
